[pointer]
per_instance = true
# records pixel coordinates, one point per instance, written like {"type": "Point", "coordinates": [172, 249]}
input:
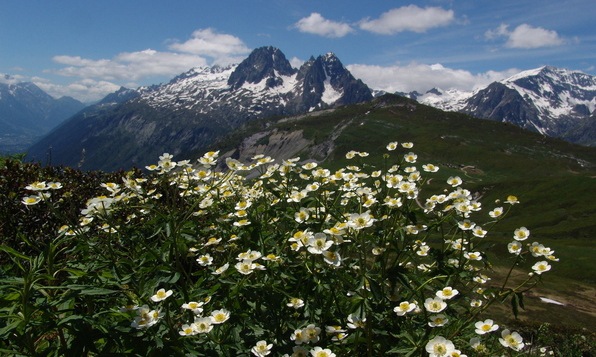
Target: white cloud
{"type": "Point", "coordinates": [408, 18]}
{"type": "Point", "coordinates": [11, 79]}
{"type": "Point", "coordinates": [128, 65]}
{"type": "Point", "coordinates": [318, 25]}
{"type": "Point", "coordinates": [206, 42]}
{"type": "Point", "coordinates": [97, 76]}
{"type": "Point", "coordinates": [422, 77]}
{"type": "Point", "coordinates": [85, 90]}
{"type": "Point", "coordinates": [526, 36]}
{"type": "Point", "coordinates": [296, 62]}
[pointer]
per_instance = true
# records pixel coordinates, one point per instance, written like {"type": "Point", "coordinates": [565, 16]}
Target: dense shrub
{"type": "Point", "coordinates": [299, 260]}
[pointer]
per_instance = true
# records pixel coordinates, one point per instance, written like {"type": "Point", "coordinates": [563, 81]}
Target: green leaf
{"type": "Point", "coordinates": [520, 297]}
{"type": "Point", "coordinates": [13, 252]}
{"type": "Point", "coordinates": [376, 289]}
{"type": "Point", "coordinates": [69, 318]}
{"type": "Point", "coordinates": [90, 290]}
{"type": "Point", "coordinates": [8, 328]}
{"type": "Point", "coordinates": [514, 305]}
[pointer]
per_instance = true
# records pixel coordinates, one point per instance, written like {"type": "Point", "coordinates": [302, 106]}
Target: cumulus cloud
{"type": "Point", "coordinates": [318, 25]}
{"type": "Point", "coordinates": [525, 36]}
{"type": "Point", "coordinates": [96, 76]}
{"type": "Point", "coordinates": [422, 77]}
{"type": "Point", "coordinates": [207, 42]}
{"type": "Point", "coordinates": [128, 65]}
{"type": "Point", "coordinates": [408, 18]}
{"type": "Point", "coordinates": [85, 90]}
{"type": "Point", "coordinates": [296, 62]}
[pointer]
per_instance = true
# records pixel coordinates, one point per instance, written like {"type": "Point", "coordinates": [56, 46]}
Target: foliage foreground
{"type": "Point", "coordinates": [295, 261]}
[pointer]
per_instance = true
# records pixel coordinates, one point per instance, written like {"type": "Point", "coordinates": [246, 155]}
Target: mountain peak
{"type": "Point", "coordinates": [263, 63]}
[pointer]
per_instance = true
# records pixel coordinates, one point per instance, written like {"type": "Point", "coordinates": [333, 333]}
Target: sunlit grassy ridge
{"type": "Point", "coordinates": [556, 179]}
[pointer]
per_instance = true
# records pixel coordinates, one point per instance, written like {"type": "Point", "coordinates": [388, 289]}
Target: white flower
{"type": "Point", "coordinates": [486, 326]}
{"type": "Point", "coordinates": [512, 200]}
{"type": "Point", "coordinates": [521, 234]}
{"type": "Point", "coordinates": [145, 318]}
{"type": "Point", "coordinates": [311, 333]}
{"type": "Point", "coordinates": [261, 349]}
{"type": "Point", "coordinates": [54, 185]}
{"type": "Point", "coordinates": [245, 267]}
{"type": "Point", "coordinates": [299, 337]}
{"type": "Point", "coordinates": [250, 255]}
{"type": "Point", "coordinates": [221, 269]}
{"type": "Point", "coordinates": [302, 215]}
{"type": "Point", "coordinates": [219, 316]}
{"type": "Point", "coordinates": [319, 243]}
{"type": "Point", "coordinates": [454, 181]}
{"type": "Point", "coordinates": [202, 325]}
{"type": "Point", "coordinates": [195, 307]}
{"type": "Point", "coordinates": [435, 304]}
{"type": "Point", "coordinates": [161, 295]}
{"type": "Point", "coordinates": [541, 267]}
{"type": "Point", "coordinates": [37, 186]}
{"type": "Point", "coordinates": [438, 320]}
{"type": "Point", "coordinates": [477, 345]}
{"type": "Point", "coordinates": [31, 200]}
{"type": "Point", "coordinates": [360, 221]}
{"type": "Point", "coordinates": [187, 330]}
{"type": "Point", "coordinates": [430, 168]}
{"type": "Point", "coordinates": [497, 212]}
{"type": "Point", "coordinates": [478, 232]}
{"type": "Point", "coordinates": [296, 303]}
{"type": "Point", "coordinates": [511, 340]}
{"type": "Point", "coordinates": [473, 255]}
{"type": "Point", "coordinates": [392, 146]}
{"type": "Point", "coordinates": [332, 258]}
{"type": "Point", "coordinates": [514, 247]}
{"type": "Point", "coordinates": [466, 225]}
{"type": "Point", "coordinates": [439, 346]}
{"type": "Point", "coordinates": [320, 352]}
{"type": "Point", "coordinates": [447, 293]}
{"type": "Point", "coordinates": [355, 321]}
{"type": "Point", "coordinates": [205, 260]}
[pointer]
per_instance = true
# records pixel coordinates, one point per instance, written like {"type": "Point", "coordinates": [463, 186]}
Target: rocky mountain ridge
{"type": "Point", "coordinates": [552, 101]}
{"type": "Point", "coordinates": [197, 107]}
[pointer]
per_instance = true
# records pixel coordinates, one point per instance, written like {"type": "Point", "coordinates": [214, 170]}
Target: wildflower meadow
{"type": "Point", "coordinates": [221, 257]}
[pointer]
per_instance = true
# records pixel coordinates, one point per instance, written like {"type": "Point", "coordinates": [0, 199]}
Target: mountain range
{"type": "Point", "coordinates": [132, 127]}
{"type": "Point", "coordinates": [27, 113]}
{"type": "Point", "coordinates": [205, 104]}
{"type": "Point", "coordinates": [552, 101]}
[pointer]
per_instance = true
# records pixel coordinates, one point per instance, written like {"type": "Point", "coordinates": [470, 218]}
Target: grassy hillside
{"type": "Point", "coordinates": [554, 180]}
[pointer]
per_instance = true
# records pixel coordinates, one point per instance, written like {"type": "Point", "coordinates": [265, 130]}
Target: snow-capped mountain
{"type": "Point", "coordinates": [27, 112]}
{"type": "Point", "coordinates": [552, 101]}
{"type": "Point", "coordinates": [196, 108]}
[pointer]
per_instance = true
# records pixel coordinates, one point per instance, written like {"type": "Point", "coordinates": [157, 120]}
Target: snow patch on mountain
{"type": "Point", "coordinates": [555, 92]}
{"type": "Point", "coordinates": [452, 100]}
{"type": "Point", "coordinates": [183, 90]}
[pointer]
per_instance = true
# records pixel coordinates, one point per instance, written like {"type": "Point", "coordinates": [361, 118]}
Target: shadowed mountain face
{"type": "Point", "coordinates": [132, 127]}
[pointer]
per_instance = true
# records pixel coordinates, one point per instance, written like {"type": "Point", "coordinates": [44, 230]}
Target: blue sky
{"type": "Point", "coordinates": [87, 49]}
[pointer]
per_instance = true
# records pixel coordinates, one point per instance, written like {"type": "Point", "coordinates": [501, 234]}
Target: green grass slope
{"type": "Point", "coordinates": [554, 180]}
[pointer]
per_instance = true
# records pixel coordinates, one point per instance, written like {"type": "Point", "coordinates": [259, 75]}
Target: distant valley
{"type": "Point", "coordinates": [27, 113]}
